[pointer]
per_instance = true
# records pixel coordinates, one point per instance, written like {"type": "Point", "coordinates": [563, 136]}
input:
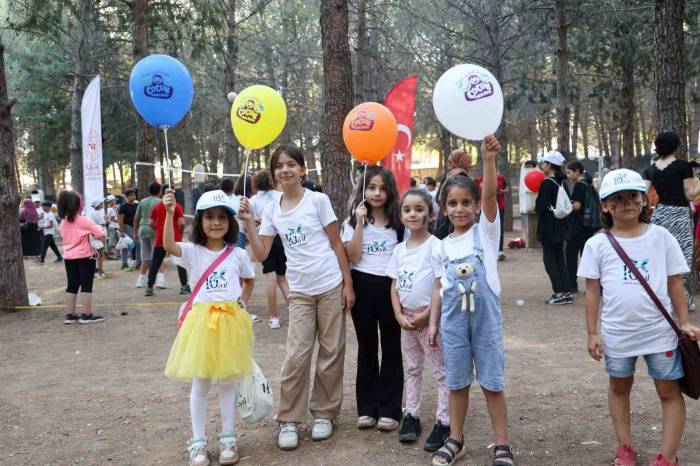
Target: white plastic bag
{"type": "Point", "coordinates": [254, 397]}
{"type": "Point", "coordinates": [34, 300]}
{"type": "Point", "coordinates": [124, 242]}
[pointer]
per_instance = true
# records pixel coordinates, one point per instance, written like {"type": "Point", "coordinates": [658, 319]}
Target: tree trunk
{"type": "Point", "coordinates": [584, 129]}
{"type": "Point", "coordinates": [574, 129]}
{"type": "Point", "coordinates": [532, 138]}
{"type": "Point", "coordinates": [232, 153]}
{"type": "Point", "coordinates": [145, 134]}
{"type": "Point", "coordinates": [670, 69]}
{"type": "Point", "coordinates": [627, 111]}
{"type": "Point", "coordinates": [563, 109]}
{"type": "Point", "coordinates": [13, 284]}
{"type": "Point", "coordinates": [76, 153]}
{"type": "Point", "coordinates": [362, 55]}
{"type": "Point", "coordinates": [695, 126]}
{"type": "Point", "coordinates": [337, 78]}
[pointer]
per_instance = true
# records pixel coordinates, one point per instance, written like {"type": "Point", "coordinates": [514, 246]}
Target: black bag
{"type": "Point", "coordinates": [690, 352]}
{"type": "Point", "coordinates": [591, 208]}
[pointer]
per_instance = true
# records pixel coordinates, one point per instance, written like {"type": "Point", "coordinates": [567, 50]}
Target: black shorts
{"type": "Point", "coordinates": [276, 261]}
{"type": "Point", "coordinates": [80, 273]}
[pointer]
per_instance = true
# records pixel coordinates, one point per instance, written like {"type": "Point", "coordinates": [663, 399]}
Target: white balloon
{"type": "Point", "coordinates": [468, 101]}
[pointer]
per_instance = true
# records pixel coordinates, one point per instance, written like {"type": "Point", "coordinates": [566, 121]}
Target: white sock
{"type": "Point", "coordinates": [161, 277]}
{"type": "Point", "coordinates": [228, 400]}
{"type": "Point", "coordinates": [198, 406]}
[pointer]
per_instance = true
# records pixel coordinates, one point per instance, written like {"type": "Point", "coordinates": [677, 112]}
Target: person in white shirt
{"type": "Point", "coordinates": [413, 277]}
{"type": "Point", "coordinates": [275, 264]}
{"type": "Point", "coordinates": [320, 289]}
{"type": "Point", "coordinates": [112, 225]}
{"type": "Point", "coordinates": [370, 235]}
{"type": "Point", "coordinates": [631, 325]}
{"type": "Point", "coordinates": [49, 226]}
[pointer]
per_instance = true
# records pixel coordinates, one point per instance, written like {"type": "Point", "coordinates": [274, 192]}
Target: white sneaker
{"type": "Point", "coordinates": [364, 422]}
{"type": "Point", "coordinates": [160, 281]}
{"type": "Point", "coordinates": [141, 281]}
{"type": "Point", "coordinates": [254, 318]}
{"type": "Point", "coordinates": [322, 429]}
{"type": "Point", "coordinates": [274, 322]}
{"type": "Point", "coordinates": [198, 452]}
{"type": "Point", "coordinates": [228, 453]}
{"type": "Point", "coordinates": [387, 424]}
{"type": "Point", "coordinates": [288, 438]}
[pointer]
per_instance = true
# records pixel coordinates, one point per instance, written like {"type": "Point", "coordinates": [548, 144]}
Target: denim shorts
{"type": "Point", "coordinates": [661, 366]}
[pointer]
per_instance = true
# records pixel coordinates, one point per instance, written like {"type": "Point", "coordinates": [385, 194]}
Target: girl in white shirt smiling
{"type": "Point", "coordinates": [320, 288]}
{"type": "Point", "coordinates": [630, 324]}
{"type": "Point", "coordinates": [370, 235]}
{"type": "Point", "coordinates": [413, 277]}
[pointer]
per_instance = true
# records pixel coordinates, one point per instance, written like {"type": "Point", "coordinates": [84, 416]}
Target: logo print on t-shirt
{"type": "Point", "coordinates": [405, 281]}
{"type": "Point", "coordinates": [642, 266]}
{"type": "Point", "coordinates": [295, 237]}
{"type": "Point", "coordinates": [376, 248]}
{"type": "Point", "coordinates": [217, 280]}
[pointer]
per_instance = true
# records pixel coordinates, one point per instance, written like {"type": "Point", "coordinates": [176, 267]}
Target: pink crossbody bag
{"type": "Point", "coordinates": [185, 307]}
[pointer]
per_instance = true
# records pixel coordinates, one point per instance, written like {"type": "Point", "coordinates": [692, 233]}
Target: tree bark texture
{"type": "Point", "coordinates": [563, 105]}
{"type": "Point", "coordinates": [145, 134]}
{"type": "Point", "coordinates": [78, 90]}
{"type": "Point", "coordinates": [337, 79]}
{"type": "Point", "coordinates": [362, 56]}
{"type": "Point", "coordinates": [232, 163]}
{"type": "Point", "coordinates": [695, 126]}
{"type": "Point", "coordinates": [669, 72]}
{"type": "Point", "coordinates": [627, 112]}
{"type": "Point", "coordinates": [13, 283]}
{"type": "Point", "coordinates": [584, 128]}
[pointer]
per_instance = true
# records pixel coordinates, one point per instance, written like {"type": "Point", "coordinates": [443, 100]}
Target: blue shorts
{"type": "Point", "coordinates": [661, 366]}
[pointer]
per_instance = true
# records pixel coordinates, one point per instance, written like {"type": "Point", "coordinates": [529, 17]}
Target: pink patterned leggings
{"type": "Point", "coordinates": [414, 344]}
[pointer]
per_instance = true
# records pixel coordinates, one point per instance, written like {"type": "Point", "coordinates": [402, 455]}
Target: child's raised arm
{"type": "Point", "coordinates": [169, 243]}
{"type": "Point", "coordinates": [490, 148]}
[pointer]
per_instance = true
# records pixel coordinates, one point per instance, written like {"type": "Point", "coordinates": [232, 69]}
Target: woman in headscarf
{"type": "Point", "coordinates": [28, 220]}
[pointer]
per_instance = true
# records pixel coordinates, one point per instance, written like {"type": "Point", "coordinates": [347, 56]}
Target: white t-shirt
{"type": "Point", "coordinates": [261, 200]}
{"type": "Point", "coordinates": [414, 272]}
{"type": "Point", "coordinates": [460, 246]}
{"type": "Point", "coordinates": [98, 216]}
{"type": "Point", "coordinates": [223, 283]}
{"type": "Point", "coordinates": [312, 266]}
{"type": "Point", "coordinates": [631, 324]}
{"type": "Point", "coordinates": [49, 219]}
{"type": "Point", "coordinates": [113, 214]}
{"type": "Point", "coordinates": [378, 244]}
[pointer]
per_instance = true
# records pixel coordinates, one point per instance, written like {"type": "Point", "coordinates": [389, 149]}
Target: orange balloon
{"type": "Point", "coordinates": [370, 132]}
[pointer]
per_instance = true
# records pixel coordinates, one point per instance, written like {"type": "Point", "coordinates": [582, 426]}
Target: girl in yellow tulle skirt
{"type": "Point", "coordinates": [215, 340]}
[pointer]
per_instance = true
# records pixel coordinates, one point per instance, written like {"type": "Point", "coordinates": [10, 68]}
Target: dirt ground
{"type": "Point", "coordinates": [96, 394]}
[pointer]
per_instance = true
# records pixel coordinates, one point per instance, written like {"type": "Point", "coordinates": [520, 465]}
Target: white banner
{"type": "Point", "coordinates": [91, 121]}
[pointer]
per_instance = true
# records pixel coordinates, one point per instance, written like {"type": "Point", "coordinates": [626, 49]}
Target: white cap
{"type": "Point", "coordinates": [621, 180]}
{"type": "Point", "coordinates": [111, 197]}
{"type": "Point", "coordinates": [36, 198]}
{"type": "Point", "coordinates": [216, 198]}
{"type": "Point", "coordinates": [95, 202]}
{"type": "Point", "coordinates": [554, 157]}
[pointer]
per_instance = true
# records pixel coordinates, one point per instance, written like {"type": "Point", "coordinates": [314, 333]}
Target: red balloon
{"type": "Point", "coordinates": [533, 180]}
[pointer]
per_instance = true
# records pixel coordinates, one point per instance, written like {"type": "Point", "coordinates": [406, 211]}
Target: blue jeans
{"type": "Point", "coordinates": [661, 366]}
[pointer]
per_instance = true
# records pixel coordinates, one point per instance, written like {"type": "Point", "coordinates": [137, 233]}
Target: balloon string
{"type": "Point", "coordinates": [364, 177]}
{"type": "Point", "coordinates": [167, 157]}
{"type": "Point", "coordinates": [245, 172]}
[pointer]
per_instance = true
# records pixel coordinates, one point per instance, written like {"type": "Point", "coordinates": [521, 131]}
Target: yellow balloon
{"type": "Point", "coordinates": [258, 116]}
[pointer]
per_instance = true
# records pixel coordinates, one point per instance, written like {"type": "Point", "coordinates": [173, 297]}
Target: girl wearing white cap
{"type": "Point", "coordinates": [215, 340]}
{"type": "Point", "coordinates": [552, 232]}
{"type": "Point", "coordinates": [631, 325]}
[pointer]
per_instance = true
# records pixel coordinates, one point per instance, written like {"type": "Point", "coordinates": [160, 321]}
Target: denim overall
{"type": "Point", "coordinates": [474, 336]}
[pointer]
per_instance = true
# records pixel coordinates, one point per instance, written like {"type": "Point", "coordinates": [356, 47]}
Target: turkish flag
{"type": "Point", "coordinates": [401, 100]}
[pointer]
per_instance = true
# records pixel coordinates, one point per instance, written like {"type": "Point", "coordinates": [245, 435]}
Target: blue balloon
{"type": "Point", "coordinates": [161, 90]}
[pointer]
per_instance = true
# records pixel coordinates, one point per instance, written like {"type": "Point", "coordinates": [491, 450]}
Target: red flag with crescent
{"type": "Point", "coordinates": [401, 100]}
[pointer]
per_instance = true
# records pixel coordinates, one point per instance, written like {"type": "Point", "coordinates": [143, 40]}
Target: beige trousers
{"type": "Point", "coordinates": [319, 316]}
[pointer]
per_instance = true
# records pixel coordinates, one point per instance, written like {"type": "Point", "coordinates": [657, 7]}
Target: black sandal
{"type": "Point", "coordinates": [448, 454]}
{"type": "Point", "coordinates": [503, 455]}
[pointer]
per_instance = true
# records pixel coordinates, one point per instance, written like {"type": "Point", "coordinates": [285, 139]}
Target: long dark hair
{"type": "Point", "coordinates": [392, 198]}
{"type": "Point", "coordinates": [68, 205]}
{"type": "Point", "coordinates": [458, 182]}
{"type": "Point", "coordinates": [606, 220]}
{"type": "Point", "coordinates": [197, 235]}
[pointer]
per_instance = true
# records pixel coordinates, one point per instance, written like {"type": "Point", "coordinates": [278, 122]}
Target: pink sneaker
{"type": "Point", "coordinates": [626, 455]}
{"type": "Point", "coordinates": [661, 461]}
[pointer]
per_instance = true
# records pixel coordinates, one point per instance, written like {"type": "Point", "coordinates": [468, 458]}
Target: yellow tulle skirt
{"type": "Point", "coordinates": [215, 342]}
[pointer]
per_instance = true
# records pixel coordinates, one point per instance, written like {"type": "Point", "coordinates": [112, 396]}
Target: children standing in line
{"type": "Point", "coordinates": [370, 235]}
{"type": "Point", "coordinates": [320, 288]}
{"type": "Point", "coordinates": [413, 276]}
{"type": "Point", "coordinates": [631, 325]}
{"type": "Point", "coordinates": [469, 310]}
{"type": "Point", "coordinates": [79, 257]}
{"type": "Point", "coordinates": [49, 226]}
{"type": "Point", "coordinates": [215, 341]}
